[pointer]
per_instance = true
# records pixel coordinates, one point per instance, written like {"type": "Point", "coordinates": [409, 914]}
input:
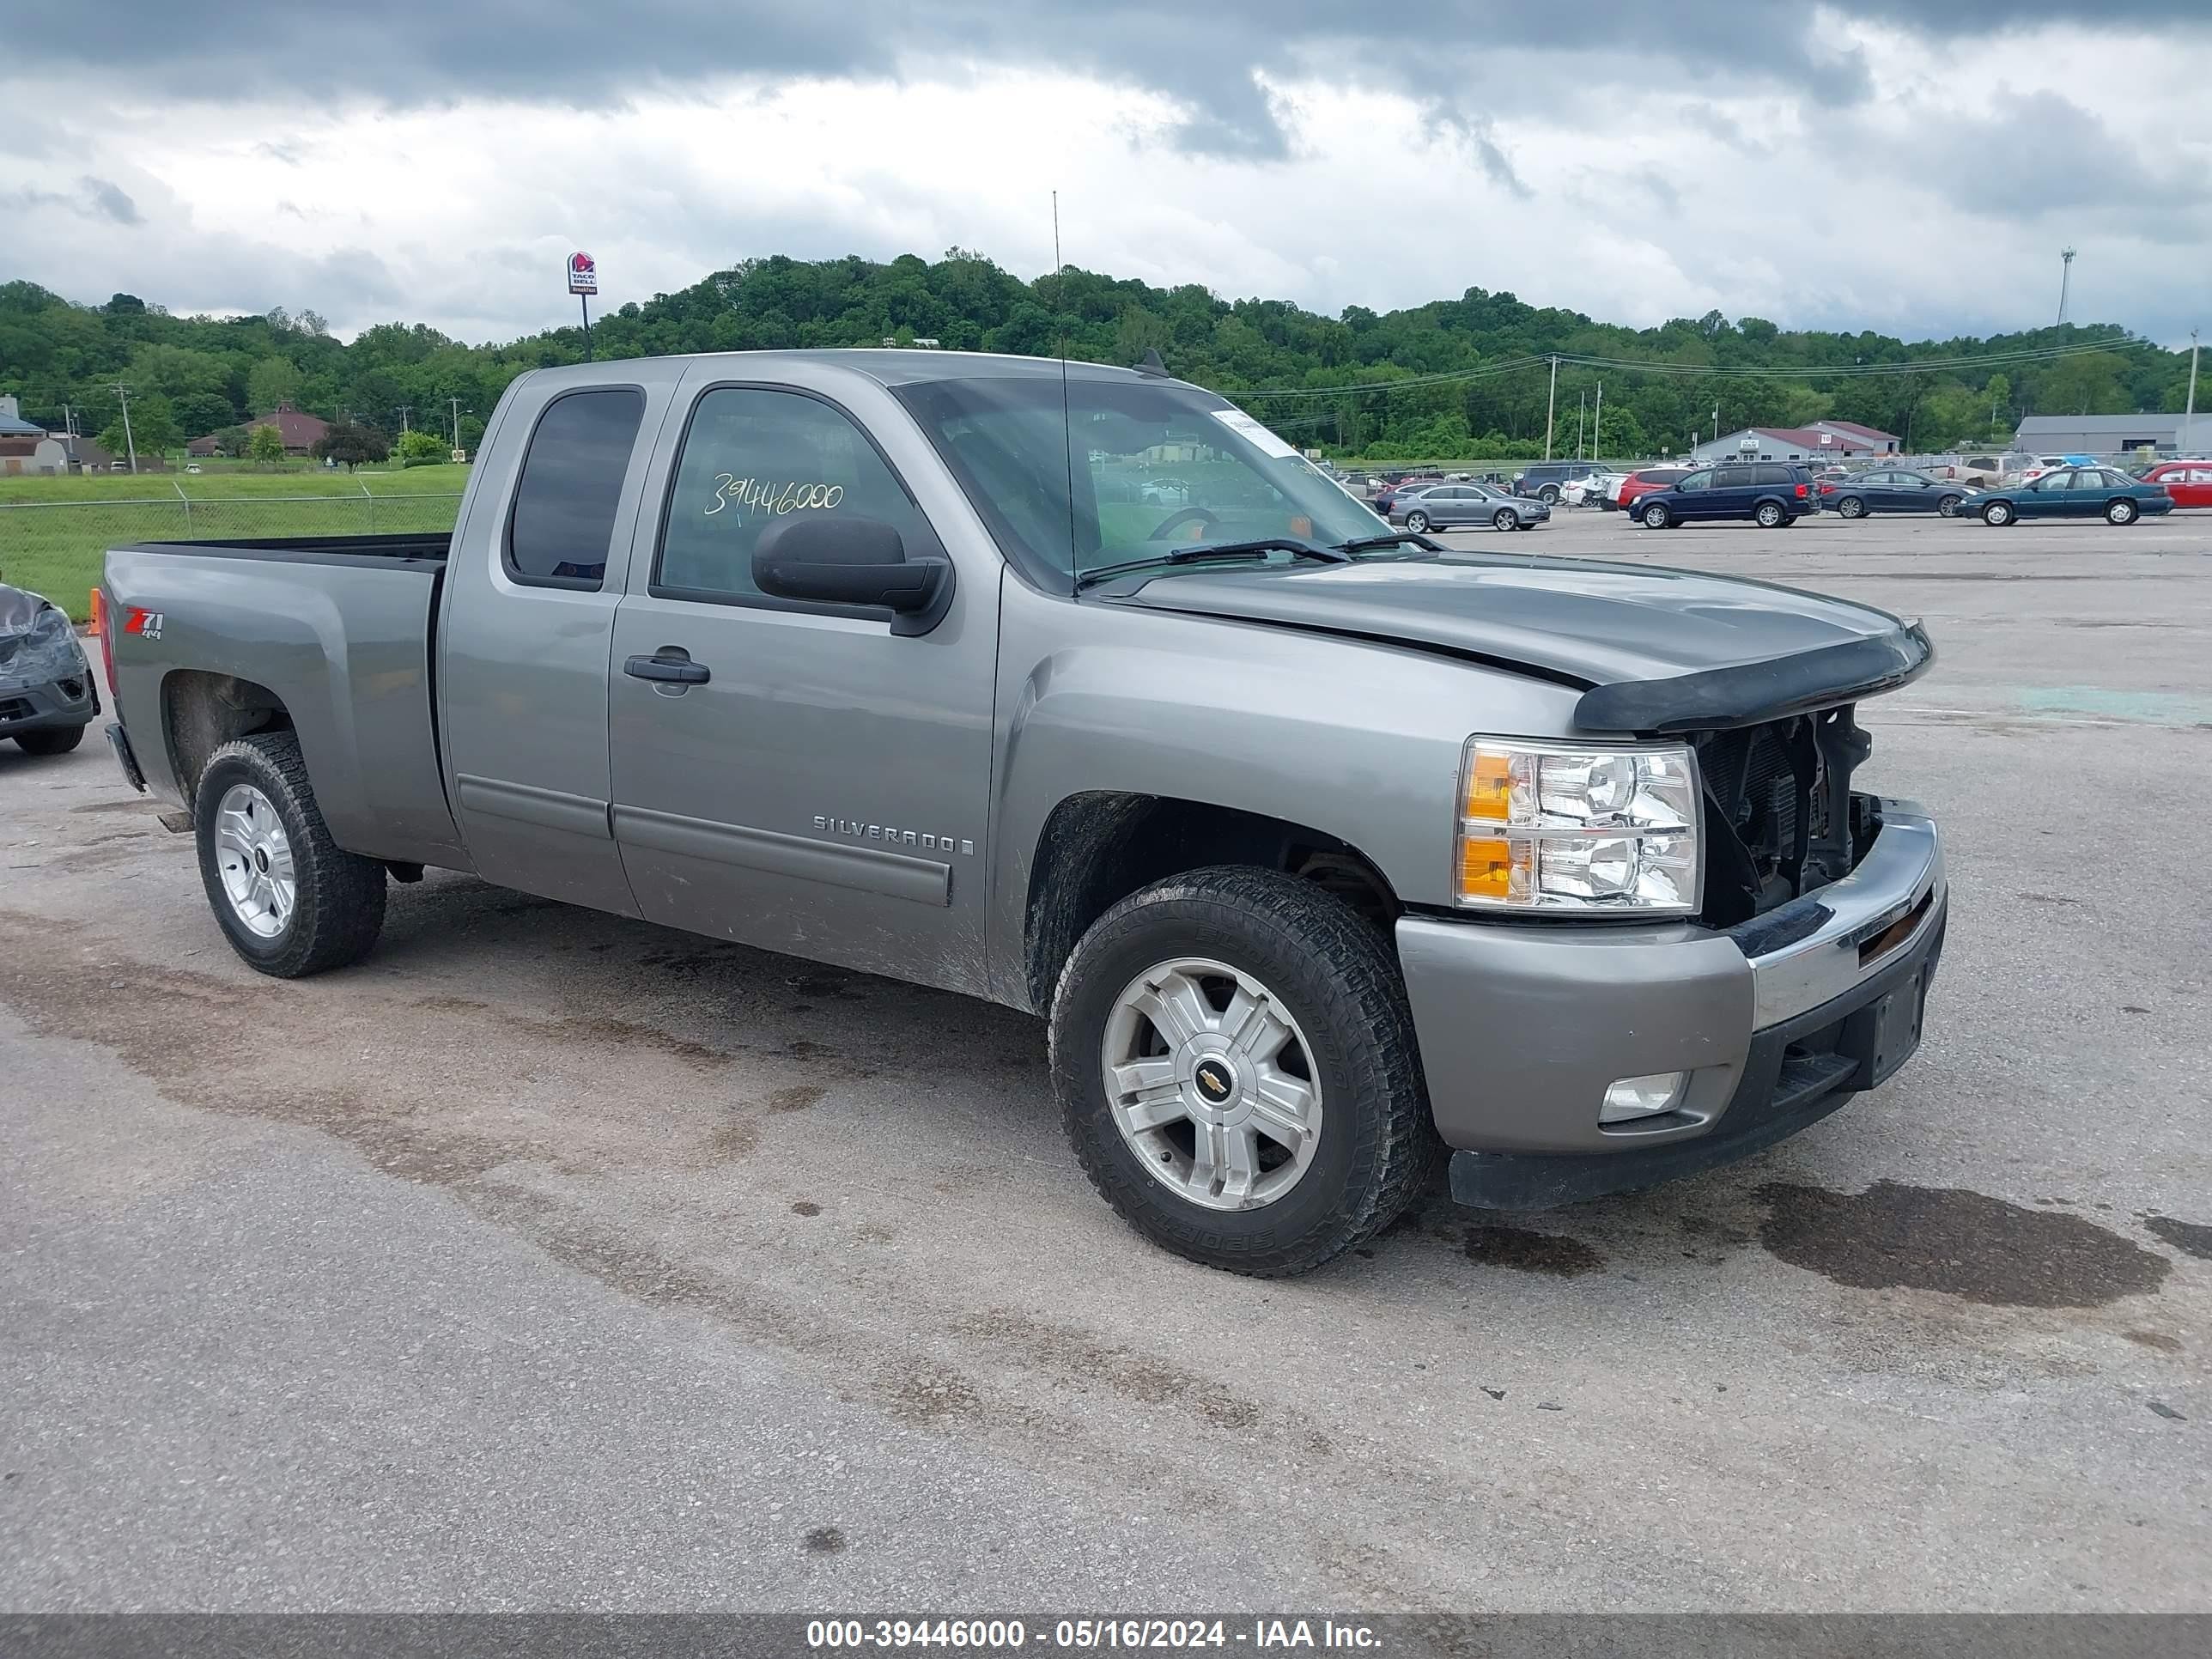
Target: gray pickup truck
{"type": "Point", "coordinates": [1324, 849]}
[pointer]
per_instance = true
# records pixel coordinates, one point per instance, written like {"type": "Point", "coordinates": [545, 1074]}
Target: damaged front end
{"type": "Point", "coordinates": [46, 682]}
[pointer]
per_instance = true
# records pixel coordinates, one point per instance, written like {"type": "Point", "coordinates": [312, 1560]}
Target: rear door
{"type": "Point", "coordinates": [537, 573]}
{"type": "Point", "coordinates": [1730, 497]}
{"type": "Point", "coordinates": [823, 787]}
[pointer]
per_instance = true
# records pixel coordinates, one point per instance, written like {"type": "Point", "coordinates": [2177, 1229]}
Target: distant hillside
{"type": "Point", "coordinates": [1464, 377]}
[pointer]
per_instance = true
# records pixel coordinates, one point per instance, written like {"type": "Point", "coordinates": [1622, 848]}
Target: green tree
{"type": "Point", "coordinates": [231, 440]}
{"type": "Point", "coordinates": [419, 448]}
{"type": "Point", "coordinates": [153, 430]}
{"type": "Point", "coordinates": [350, 445]}
{"type": "Point", "coordinates": [271, 381]}
{"type": "Point", "coordinates": [266, 447]}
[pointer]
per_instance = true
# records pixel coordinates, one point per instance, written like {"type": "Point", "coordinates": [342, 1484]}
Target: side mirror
{"type": "Point", "coordinates": [846, 559]}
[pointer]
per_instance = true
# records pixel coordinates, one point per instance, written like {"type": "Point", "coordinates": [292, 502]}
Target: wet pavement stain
{"type": "Point", "coordinates": [1894, 1236]}
{"type": "Point", "coordinates": [2192, 1237]}
{"type": "Point", "coordinates": [806, 1207]}
{"type": "Point", "coordinates": [824, 1541]}
{"type": "Point", "coordinates": [1528, 1252]}
{"type": "Point", "coordinates": [2157, 1339]}
{"type": "Point", "coordinates": [797, 1098]}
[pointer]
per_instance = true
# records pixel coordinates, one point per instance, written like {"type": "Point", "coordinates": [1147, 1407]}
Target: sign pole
{"type": "Point", "coordinates": [584, 300]}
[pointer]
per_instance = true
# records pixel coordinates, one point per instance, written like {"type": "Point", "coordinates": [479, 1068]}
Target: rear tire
{"type": "Point", "coordinates": [1417, 522]}
{"type": "Point", "coordinates": [1948, 506]}
{"type": "Point", "coordinates": [54, 740]}
{"type": "Point", "coordinates": [1549, 495]}
{"type": "Point", "coordinates": [1319, 969]}
{"type": "Point", "coordinates": [1999, 513]}
{"type": "Point", "coordinates": [2121, 511]}
{"type": "Point", "coordinates": [1656, 517]}
{"type": "Point", "coordinates": [1768, 515]}
{"type": "Point", "coordinates": [1851, 507]}
{"type": "Point", "coordinates": [336, 906]}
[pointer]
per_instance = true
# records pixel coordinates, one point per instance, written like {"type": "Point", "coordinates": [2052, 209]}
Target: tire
{"type": "Point", "coordinates": [1851, 507]}
{"type": "Point", "coordinates": [54, 740]}
{"type": "Point", "coordinates": [1768, 515]}
{"type": "Point", "coordinates": [1506, 519]}
{"type": "Point", "coordinates": [1948, 506]}
{"type": "Point", "coordinates": [2121, 511]}
{"type": "Point", "coordinates": [1999, 513]}
{"type": "Point", "coordinates": [1417, 522]}
{"type": "Point", "coordinates": [1549, 495]}
{"type": "Point", "coordinates": [1656, 517]}
{"type": "Point", "coordinates": [336, 907]}
{"type": "Point", "coordinates": [1333, 979]}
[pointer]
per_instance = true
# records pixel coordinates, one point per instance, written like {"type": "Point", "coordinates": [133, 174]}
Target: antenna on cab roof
{"type": "Point", "coordinates": [1149, 364]}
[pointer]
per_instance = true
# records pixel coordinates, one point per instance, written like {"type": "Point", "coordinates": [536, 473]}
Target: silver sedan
{"type": "Point", "coordinates": [1439, 506]}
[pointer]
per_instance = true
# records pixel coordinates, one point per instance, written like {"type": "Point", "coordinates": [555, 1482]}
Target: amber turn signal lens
{"type": "Point", "coordinates": [1489, 787]}
{"type": "Point", "coordinates": [1486, 867]}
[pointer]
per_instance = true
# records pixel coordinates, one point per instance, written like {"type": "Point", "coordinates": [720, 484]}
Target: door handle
{"type": "Point", "coordinates": [669, 666]}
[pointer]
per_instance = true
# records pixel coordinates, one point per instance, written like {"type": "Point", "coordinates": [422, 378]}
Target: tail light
{"type": "Point", "coordinates": [1800, 492]}
{"type": "Point", "coordinates": [103, 624]}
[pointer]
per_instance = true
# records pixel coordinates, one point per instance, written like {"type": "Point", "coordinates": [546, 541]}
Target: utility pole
{"type": "Point", "coordinates": [1550, 402]}
{"type": "Point", "coordinates": [1582, 409]}
{"type": "Point", "coordinates": [122, 390]}
{"type": "Point", "coordinates": [1597, 424]}
{"type": "Point", "coordinates": [456, 402]}
{"type": "Point", "coordinates": [2188, 419]}
{"type": "Point", "coordinates": [1716, 420]}
{"type": "Point", "coordinates": [405, 410]}
{"type": "Point", "coordinates": [2065, 277]}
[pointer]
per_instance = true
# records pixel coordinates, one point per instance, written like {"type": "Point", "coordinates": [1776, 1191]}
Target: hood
{"type": "Point", "coordinates": [17, 608]}
{"type": "Point", "coordinates": [34, 658]}
{"type": "Point", "coordinates": [1657, 650]}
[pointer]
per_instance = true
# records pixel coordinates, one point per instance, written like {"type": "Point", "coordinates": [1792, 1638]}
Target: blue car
{"type": "Point", "coordinates": [1767, 493]}
{"type": "Point", "coordinates": [2075, 492]}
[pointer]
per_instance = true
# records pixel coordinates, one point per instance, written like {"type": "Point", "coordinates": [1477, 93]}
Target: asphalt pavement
{"type": "Point", "coordinates": [548, 1260]}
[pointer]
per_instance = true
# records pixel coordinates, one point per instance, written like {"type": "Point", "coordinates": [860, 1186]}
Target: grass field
{"type": "Point", "coordinates": [53, 531]}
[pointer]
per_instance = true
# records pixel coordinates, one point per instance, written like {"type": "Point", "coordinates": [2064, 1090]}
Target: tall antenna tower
{"type": "Point", "coordinates": [2065, 280]}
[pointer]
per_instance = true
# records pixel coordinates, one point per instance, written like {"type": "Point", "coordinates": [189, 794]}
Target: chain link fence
{"type": "Point", "coordinates": [54, 547]}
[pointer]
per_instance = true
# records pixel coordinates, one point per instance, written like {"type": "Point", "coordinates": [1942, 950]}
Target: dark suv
{"type": "Point", "coordinates": [1768, 493]}
{"type": "Point", "coordinates": [1545, 480]}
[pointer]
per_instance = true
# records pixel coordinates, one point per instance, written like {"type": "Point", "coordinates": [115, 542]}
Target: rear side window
{"type": "Point", "coordinates": [572, 480]}
{"type": "Point", "coordinates": [1770, 475]}
{"type": "Point", "coordinates": [1731, 477]}
{"type": "Point", "coordinates": [754, 456]}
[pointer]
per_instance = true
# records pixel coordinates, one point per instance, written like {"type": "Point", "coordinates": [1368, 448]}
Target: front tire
{"type": "Point", "coordinates": [1238, 1072]}
{"type": "Point", "coordinates": [1506, 519]}
{"type": "Point", "coordinates": [54, 740]}
{"type": "Point", "coordinates": [291, 901]}
{"type": "Point", "coordinates": [1656, 517]}
{"type": "Point", "coordinates": [2121, 511]}
{"type": "Point", "coordinates": [1999, 513]}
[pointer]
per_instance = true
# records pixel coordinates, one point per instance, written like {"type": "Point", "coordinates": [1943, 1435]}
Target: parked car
{"type": "Point", "coordinates": [2189, 483]}
{"type": "Point", "coordinates": [1639, 484]}
{"type": "Point", "coordinates": [1387, 497]}
{"type": "Point", "coordinates": [2036, 466]}
{"type": "Point", "coordinates": [1547, 479]}
{"type": "Point", "coordinates": [1311, 845]}
{"type": "Point", "coordinates": [1440, 505]}
{"type": "Point", "coordinates": [1586, 492]}
{"type": "Point", "coordinates": [1767, 493]}
{"type": "Point", "coordinates": [47, 694]}
{"type": "Point", "coordinates": [1163, 492]}
{"type": "Point", "coordinates": [1892, 489]}
{"type": "Point", "coordinates": [2075, 492]}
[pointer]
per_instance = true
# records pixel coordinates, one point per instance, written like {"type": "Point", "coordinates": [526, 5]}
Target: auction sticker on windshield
{"type": "Point", "coordinates": [1242, 424]}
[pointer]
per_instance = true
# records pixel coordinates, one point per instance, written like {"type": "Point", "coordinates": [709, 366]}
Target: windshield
{"type": "Point", "coordinates": [1129, 470]}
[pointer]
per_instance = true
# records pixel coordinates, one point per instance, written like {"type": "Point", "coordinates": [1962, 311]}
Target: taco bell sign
{"type": "Point", "coordinates": [583, 274]}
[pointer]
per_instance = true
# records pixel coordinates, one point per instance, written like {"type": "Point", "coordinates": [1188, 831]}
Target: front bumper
{"type": "Point", "coordinates": [47, 707]}
{"type": "Point", "coordinates": [1778, 1022]}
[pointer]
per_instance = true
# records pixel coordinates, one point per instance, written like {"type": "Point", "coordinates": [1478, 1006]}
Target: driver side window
{"type": "Point", "coordinates": [2054, 481]}
{"type": "Point", "coordinates": [1696, 480]}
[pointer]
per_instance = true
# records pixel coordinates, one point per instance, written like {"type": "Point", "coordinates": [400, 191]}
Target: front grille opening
{"type": "Point", "coordinates": [1781, 813]}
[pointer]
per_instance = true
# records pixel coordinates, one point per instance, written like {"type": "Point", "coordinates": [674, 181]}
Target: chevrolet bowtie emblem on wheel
{"type": "Point", "coordinates": [1213, 1079]}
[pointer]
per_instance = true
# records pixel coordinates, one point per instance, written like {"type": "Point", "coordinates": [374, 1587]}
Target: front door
{"type": "Point", "coordinates": [813, 783]}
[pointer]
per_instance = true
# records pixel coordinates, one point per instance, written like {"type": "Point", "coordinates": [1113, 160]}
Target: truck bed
{"type": "Point", "coordinates": [334, 635]}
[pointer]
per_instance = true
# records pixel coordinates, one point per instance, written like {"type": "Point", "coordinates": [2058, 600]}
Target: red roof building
{"type": "Point", "coordinates": [300, 432]}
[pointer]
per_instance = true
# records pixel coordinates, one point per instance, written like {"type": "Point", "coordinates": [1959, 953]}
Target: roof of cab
{"type": "Point", "coordinates": [887, 366]}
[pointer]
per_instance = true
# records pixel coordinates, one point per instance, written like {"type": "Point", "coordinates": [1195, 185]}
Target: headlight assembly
{"type": "Point", "coordinates": [1546, 826]}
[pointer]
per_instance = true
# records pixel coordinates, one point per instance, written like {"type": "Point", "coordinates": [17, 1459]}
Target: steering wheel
{"type": "Point", "coordinates": [1204, 519]}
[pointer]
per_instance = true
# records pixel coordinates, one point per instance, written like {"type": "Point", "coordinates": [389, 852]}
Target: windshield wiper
{"type": "Point", "coordinates": [1258, 549]}
{"type": "Point", "coordinates": [1395, 538]}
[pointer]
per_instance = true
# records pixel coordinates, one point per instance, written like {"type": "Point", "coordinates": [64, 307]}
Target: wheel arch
{"type": "Point", "coordinates": [201, 711]}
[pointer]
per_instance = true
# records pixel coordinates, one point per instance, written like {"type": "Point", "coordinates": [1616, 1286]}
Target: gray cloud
{"type": "Point", "coordinates": [109, 201]}
{"type": "Point", "coordinates": [96, 198]}
{"type": "Point", "coordinates": [409, 52]}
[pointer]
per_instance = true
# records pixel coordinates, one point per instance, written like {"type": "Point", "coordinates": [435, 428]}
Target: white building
{"type": "Point", "coordinates": [1823, 440]}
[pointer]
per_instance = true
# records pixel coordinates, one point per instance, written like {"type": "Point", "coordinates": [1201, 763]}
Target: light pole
{"type": "Point", "coordinates": [2065, 278]}
{"type": "Point", "coordinates": [1597, 424]}
{"type": "Point", "coordinates": [1582, 409]}
{"type": "Point", "coordinates": [2189, 417]}
{"type": "Point", "coordinates": [1550, 401]}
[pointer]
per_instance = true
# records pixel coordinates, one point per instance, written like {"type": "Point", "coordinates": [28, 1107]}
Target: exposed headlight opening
{"type": "Point", "coordinates": [1551, 826]}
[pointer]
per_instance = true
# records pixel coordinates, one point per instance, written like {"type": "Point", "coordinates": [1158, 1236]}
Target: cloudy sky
{"type": "Point", "coordinates": [435, 159]}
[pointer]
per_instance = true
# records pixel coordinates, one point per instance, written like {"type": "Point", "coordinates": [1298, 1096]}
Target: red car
{"type": "Point", "coordinates": [1643, 483]}
{"type": "Point", "coordinates": [2189, 483]}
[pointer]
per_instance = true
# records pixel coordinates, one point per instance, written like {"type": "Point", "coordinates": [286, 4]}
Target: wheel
{"type": "Point", "coordinates": [1997, 513]}
{"type": "Point", "coordinates": [289, 900]}
{"type": "Point", "coordinates": [1948, 506]}
{"type": "Point", "coordinates": [1506, 519]}
{"type": "Point", "coordinates": [1238, 1072]}
{"type": "Point", "coordinates": [1769, 515]}
{"type": "Point", "coordinates": [54, 740]}
{"type": "Point", "coordinates": [1417, 522]}
{"type": "Point", "coordinates": [1549, 494]}
{"type": "Point", "coordinates": [1655, 517]}
{"type": "Point", "coordinates": [1850, 506]}
{"type": "Point", "coordinates": [2120, 512]}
